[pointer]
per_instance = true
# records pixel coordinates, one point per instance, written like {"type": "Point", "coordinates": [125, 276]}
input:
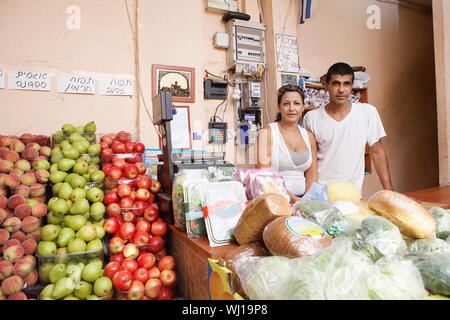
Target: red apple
{"type": "Point", "coordinates": [111, 225]}
{"type": "Point", "coordinates": [126, 202]}
{"type": "Point", "coordinates": [141, 274]}
{"type": "Point", "coordinates": [116, 245]}
{"type": "Point", "coordinates": [123, 190]}
{"type": "Point", "coordinates": [129, 216]}
{"type": "Point", "coordinates": [111, 197]}
{"type": "Point", "coordinates": [118, 257]}
{"type": "Point", "coordinates": [139, 148]}
{"type": "Point", "coordinates": [156, 186]}
{"type": "Point", "coordinates": [106, 139]}
{"type": "Point", "coordinates": [140, 207]}
{"type": "Point", "coordinates": [103, 145]}
{"type": "Point", "coordinates": [136, 290]}
{"type": "Point", "coordinates": [141, 167]}
{"type": "Point", "coordinates": [131, 171]}
{"type": "Point", "coordinates": [153, 288]}
{"type": "Point", "coordinates": [146, 260]}
{"type": "Point", "coordinates": [168, 278]}
{"type": "Point", "coordinates": [127, 231]}
{"type": "Point", "coordinates": [118, 147]}
{"type": "Point", "coordinates": [130, 251]}
{"type": "Point", "coordinates": [114, 173]}
{"type": "Point", "coordinates": [129, 264]}
{"type": "Point", "coordinates": [113, 209]}
{"type": "Point", "coordinates": [106, 167]}
{"type": "Point", "coordinates": [151, 214]}
{"type": "Point", "coordinates": [123, 136]}
{"type": "Point", "coordinates": [154, 272]}
{"type": "Point", "coordinates": [143, 182]}
{"type": "Point", "coordinates": [151, 198]}
{"type": "Point", "coordinates": [142, 194]}
{"type": "Point", "coordinates": [166, 263]}
{"type": "Point", "coordinates": [119, 163]}
{"type": "Point", "coordinates": [159, 228]}
{"type": "Point", "coordinates": [155, 244]}
{"type": "Point", "coordinates": [166, 294]}
{"type": "Point", "coordinates": [129, 146]}
{"type": "Point", "coordinates": [143, 226]}
{"type": "Point", "coordinates": [141, 238]}
{"type": "Point", "coordinates": [122, 280]}
{"type": "Point", "coordinates": [111, 269]}
{"type": "Point", "coordinates": [161, 253]}
{"type": "Point", "coordinates": [107, 155]}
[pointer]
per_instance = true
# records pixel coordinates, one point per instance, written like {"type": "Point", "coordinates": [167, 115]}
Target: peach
{"type": "Point", "coordinates": [29, 246]}
{"type": "Point", "coordinates": [37, 190]}
{"type": "Point", "coordinates": [30, 153]}
{"type": "Point", "coordinates": [12, 224]}
{"type": "Point", "coordinates": [26, 137]}
{"type": "Point", "coordinates": [22, 211]}
{"type": "Point", "coordinates": [33, 145]}
{"type": "Point", "coordinates": [24, 266]}
{"type": "Point", "coordinates": [19, 235]}
{"type": "Point", "coordinates": [3, 191]}
{"type": "Point", "coordinates": [45, 151]}
{"type": "Point", "coordinates": [39, 210]}
{"type": "Point", "coordinates": [15, 200]}
{"type": "Point", "coordinates": [28, 179]}
{"type": "Point", "coordinates": [23, 164]}
{"type": "Point", "coordinates": [12, 181]}
{"type": "Point", "coordinates": [30, 224]}
{"type": "Point", "coordinates": [22, 190]}
{"type": "Point", "coordinates": [17, 172]}
{"type": "Point", "coordinates": [31, 278]}
{"type": "Point", "coordinates": [6, 166]}
{"type": "Point", "coordinates": [17, 145]}
{"type": "Point", "coordinates": [9, 213]}
{"type": "Point", "coordinates": [6, 269]}
{"type": "Point", "coordinates": [42, 176]}
{"type": "Point", "coordinates": [40, 199]}
{"type": "Point", "coordinates": [35, 235]}
{"type": "Point", "coordinates": [5, 141]}
{"type": "Point", "coordinates": [3, 215]}
{"type": "Point", "coordinates": [10, 243]}
{"type": "Point", "coordinates": [3, 202]}
{"type": "Point", "coordinates": [18, 296]}
{"type": "Point", "coordinates": [14, 253]}
{"type": "Point", "coordinates": [11, 155]}
{"type": "Point", "coordinates": [11, 285]}
{"type": "Point", "coordinates": [4, 236]}
{"type": "Point", "coordinates": [2, 179]}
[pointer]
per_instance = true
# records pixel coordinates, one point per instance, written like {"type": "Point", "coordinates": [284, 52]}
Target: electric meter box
{"type": "Point", "coordinates": [252, 93]}
{"type": "Point", "coordinates": [247, 43]}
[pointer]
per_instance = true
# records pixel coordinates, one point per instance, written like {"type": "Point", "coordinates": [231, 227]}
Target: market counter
{"type": "Point", "coordinates": [191, 254]}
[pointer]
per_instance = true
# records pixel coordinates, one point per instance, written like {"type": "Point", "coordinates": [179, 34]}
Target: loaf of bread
{"type": "Point", "coordinates": [239, 256]}
{"type": "Point", "coordinates": [413, 220]}
{"type": "Point", "coordinates": [258, 213]}
{"type": "Point", "coordinates": [294, 237]}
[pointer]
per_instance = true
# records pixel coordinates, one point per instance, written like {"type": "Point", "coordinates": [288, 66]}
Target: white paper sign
{"type": "Point", "coordinates": [287, 53]}
{"type": "Point", "coordinates": [116, 87]}
{"type": "Point", "coordinates": [29, 80]}
{"type": "Point", "coordinates": [75, 84]}
{"type": "Point", "coordinates": [181, 128]}
{"type": "Point", "coordinates": [2, 79]}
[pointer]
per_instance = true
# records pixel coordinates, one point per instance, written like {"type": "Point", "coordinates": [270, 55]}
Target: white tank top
{"type": "Point", "coordinates": [282, 164]}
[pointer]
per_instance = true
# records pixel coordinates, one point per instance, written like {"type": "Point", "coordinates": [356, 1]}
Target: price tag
{"type": "Point", "coordinates": [75, 84]}
{"type": "Point", "coordinates": [116, 87]}
{"type": "Point", "coordinates": [29, 80]}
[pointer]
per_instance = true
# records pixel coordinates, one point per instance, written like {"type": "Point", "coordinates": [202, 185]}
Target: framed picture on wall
{"type": "Point", "coordinates": [180, 128]}
{"type": "Point", "coordinates": [178, 80]}
{"type": "Point", "coordinates": [288, 79]}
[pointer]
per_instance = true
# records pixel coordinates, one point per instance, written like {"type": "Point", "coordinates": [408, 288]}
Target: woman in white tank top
{"type": "Point", "coordinates": [287, 148]}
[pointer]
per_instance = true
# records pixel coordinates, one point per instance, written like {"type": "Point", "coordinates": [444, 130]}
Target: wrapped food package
{"type": "Point", "coordinates": [343, 191]}
{"type": "Point", "coordinates": [268, 184]}
{"type": "Point", "coordinates": [195, 221]}
{"type": "Point", "coordinates": [413, 220]}
{"type": "Point", "coordinates": [259, 212]}
{"type": "Point", "coordinates": [427, 245]}
{"type": "Point", "coordinates": [238, 257]}
{"type": "Point", "coordinates": [442, 219]}
{"type": "Point", "coordinates": [250, 175]}
{"type": "Point", "coordinates": [223, 204]}
{"type": "Point", "coordinates": [294, 237]}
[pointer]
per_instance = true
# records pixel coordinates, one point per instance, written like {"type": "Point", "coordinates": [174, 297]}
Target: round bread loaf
{"type": "Point", "coordinates": [294, 237]}
{"type": "Point", "coordinates": [413, 220]}
{"type": "Point", "coordinates": [258, 213]}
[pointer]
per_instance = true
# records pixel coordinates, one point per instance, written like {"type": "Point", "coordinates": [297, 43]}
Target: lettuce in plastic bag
{"type": "Point", "coordinates": [378, 237]}
{"type": "Point", "coordinates": [435, 270]}
{"type": "Point", "coordinates": [428, 245]}
{"type": "Point", "coordinates": [442, 219]}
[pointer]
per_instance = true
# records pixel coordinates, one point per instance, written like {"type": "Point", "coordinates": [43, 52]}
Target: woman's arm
{"type": "Point", "coordinates": [311, 174]}
{"type": "Point", "coordinates": [264, 148]}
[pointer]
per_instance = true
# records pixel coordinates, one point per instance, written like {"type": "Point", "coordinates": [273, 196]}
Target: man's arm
{"type": "Point", "coordinates": [380, 161]}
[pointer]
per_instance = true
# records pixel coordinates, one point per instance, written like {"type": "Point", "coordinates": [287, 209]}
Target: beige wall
{"type": "Point", "coordinates": [441, 15]}
{"type": "Point", "coordinates": [399, 58]}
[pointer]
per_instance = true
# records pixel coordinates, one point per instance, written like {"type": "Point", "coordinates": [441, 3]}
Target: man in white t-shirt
{"type": "Point", "coordinates": [342, 130]}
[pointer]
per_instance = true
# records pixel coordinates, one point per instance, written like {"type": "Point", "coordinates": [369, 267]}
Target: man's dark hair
{"type": "Point", "coordinates": [342, 69]}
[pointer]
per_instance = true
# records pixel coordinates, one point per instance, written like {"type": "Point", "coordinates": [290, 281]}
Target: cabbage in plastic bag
{"type": "Point", "coordinates": [428, 245]}
{"type": "Point", "coordinates": [442, 219]}
{"type": "Point", "coordinates": [435, 270]}
{"type": "Point", "coordinates": [378, 237]}
{"type": "Point", "coordinates": [324, 214]}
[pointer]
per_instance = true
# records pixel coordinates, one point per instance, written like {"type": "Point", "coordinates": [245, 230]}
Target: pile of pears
{"type": "Point", "coordinates": [87, 131]}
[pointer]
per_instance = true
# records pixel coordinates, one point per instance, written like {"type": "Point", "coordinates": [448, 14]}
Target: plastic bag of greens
{"type": "Point", "coordinates": [178, 199]}
{"type": "Point", "coordinates": [222, 173]}
{"type": "Point", "coordinates": [442, 219]}
{"type": "Point", "coordinates": [435, 270]}
{"type": "Point", "coordinates": [195, 221]}
{"type": "Point", "coordinates": [324, 214]}
{"type": "Point", "coordinates": [428, 245]}
{"type": "Point", "coordinates": [378, 237]}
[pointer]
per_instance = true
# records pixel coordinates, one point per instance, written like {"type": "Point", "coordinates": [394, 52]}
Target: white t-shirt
{"type": "Point", "coordinates": [341, 144]}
